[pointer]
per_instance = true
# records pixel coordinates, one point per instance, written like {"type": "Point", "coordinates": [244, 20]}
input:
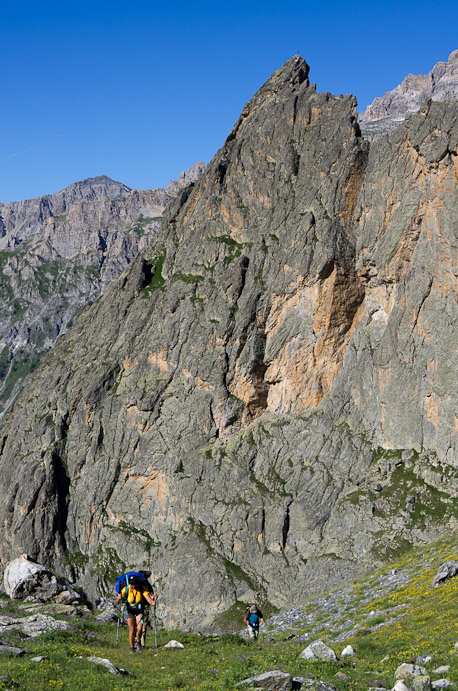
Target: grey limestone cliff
{"type": "Point", "coordinates": [264, 404]}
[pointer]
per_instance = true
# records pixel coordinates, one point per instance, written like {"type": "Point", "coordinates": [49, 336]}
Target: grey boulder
{"type": "Point", "coordinates": [10, 650]}
{"type": "Point", "coordinates": [274, 680]}
{"type": "Point", "coordinates": [409, 670]}
{"type": "Point", "coordinates": [25, 578]}
{"type": "Point", "coordinates": [446, 571]}
{"type": "Point", "coordinates": [318, 651]}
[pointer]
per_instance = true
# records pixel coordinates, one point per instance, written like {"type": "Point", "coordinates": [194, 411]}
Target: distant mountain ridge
{"type": "Point", "coordinates": [386, 112]}
{"type": "Point", "coordinates": [59, 251]}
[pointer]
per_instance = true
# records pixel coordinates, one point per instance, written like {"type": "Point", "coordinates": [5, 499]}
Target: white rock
{"type": "Point", "coordinates": [174, 644]}
{"type": "Point", "coordinates": [400, 686]}
{"type": "Point", "coordinates": [40, 658]}
{"type": "Point", "coordinates": [318, 651]}
{"type": "Point", "coordinates": [443, 669]}
{"type": "Point", "coordinates": [442, 684]}
{"type": "Point", "coordinates": [348, 651]}
{"type": "Point", "coordinates": [18, 572]}
{"type": "Point", "coordinates": [109, 666]}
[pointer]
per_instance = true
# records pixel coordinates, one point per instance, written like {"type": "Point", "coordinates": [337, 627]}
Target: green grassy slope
{"type": "Point", "coordinates": [386, 624]}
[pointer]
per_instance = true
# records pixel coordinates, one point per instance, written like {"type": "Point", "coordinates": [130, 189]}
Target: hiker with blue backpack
{"type": "Point", "coordinates": [253, 618]}
{"type": "Point", "coordinates": [134, 592]}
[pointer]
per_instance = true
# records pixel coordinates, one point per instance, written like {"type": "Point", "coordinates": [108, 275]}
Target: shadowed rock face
{"type": "Point", "coordinates": [264, 404]}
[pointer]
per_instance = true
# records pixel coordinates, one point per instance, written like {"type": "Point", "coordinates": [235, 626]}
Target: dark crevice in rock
{"type": "Point", "coordinates": [221, 172]}
{"type": "Point", "coordinates": [62, 486]}
{"type": "Point", "coordinates": [326, 270]}
{"type": "Point", "coordinates": [285, 529]}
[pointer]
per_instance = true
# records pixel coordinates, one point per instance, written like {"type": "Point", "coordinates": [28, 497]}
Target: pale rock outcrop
{"type": "Point", "coordinates": [33, 626]}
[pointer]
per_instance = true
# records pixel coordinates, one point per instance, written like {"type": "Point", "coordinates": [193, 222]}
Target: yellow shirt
{"type": "Point", "coordinates": [134, 597]}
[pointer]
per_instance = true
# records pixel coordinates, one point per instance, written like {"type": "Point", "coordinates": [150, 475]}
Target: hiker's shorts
{"type": "Point", "coordinates": [133, 615]}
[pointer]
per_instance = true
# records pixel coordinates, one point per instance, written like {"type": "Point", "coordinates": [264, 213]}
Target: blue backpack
{"type": "Point", "coordinates": [253, 616]}
{"type": "Point", "coordinates": [122, 581]}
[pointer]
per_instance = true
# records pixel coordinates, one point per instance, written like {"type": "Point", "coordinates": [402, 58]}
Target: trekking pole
{"type": "Point", "coordinates": [117, 628]}
{"type": "Point", "coordinates": [119, 621]}
{"type": "Point", "coordinates": [155, 627]}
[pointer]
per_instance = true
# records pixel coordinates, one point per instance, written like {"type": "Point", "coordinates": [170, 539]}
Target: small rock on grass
{"type": "Point", "coordinates": [400, 686]}
{"type": "Point", "coordinates": [443, 669]}
{"type": "Point", "coordinates": [40, 658]}
{"type": "Point", "coordinates": [423, 659]}
{"type": "Point", "coordinates": [348, 651]}
{"type": "Point", "coordinates": [174, 644]}
{"type": "Point", "coordinates": [274, 681]}
{"type": "Point", "coordinates": [109, 666]}
{"type": "Point", "coordinates": [318, 651]}
{"type": "Point", "coordinates": [10, 650]}
{"type": "Point", "coordinates": [442, 684]}
{"type": "Point", "coordinates": [409, 670]}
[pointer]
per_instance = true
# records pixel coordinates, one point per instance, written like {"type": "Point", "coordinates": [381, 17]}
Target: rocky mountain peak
{"type": "Point", "coordinates": [191, 175]}
{"type": "Point", "coordinates": [287, 78]}
{"type": "Point", "coordinates": [264, 403]}
{"type": "Point", "coordinates": [440, 84]}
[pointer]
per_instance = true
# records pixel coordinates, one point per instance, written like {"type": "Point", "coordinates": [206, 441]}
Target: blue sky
{"type": "Point", "coordinates": [140, 91]}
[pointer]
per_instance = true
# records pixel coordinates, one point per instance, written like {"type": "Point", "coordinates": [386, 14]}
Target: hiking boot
{"type": "Point", "coordinates": [138, 647]}
{"type": "Point", "coordinates": [132, 651]}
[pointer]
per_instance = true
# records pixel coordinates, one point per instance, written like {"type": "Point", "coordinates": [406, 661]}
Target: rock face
{"type": "Point", "coordinates": [386, 112]}
{"type": "Point", "coordinates": [60, 251]}
{"type": "Point", "coordinates": [251, 409]}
